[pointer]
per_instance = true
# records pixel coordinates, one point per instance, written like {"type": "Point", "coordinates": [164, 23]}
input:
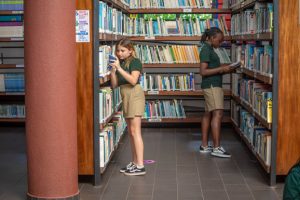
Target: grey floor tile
{"type": "Point", "coordinates": [215, 195]}
{"type": "Point", "coordinates": [212, 184]}
{"type": "Point", "coordinates": [265, 194]}
{"type": "Point", "coordinates": [190, 192]}
{"type": "Point", "coordinates": [233, 178]}
{"type": "Point", "coordinates": [188, 179]}
{"type": "Point", "coordinates": [238, 192]}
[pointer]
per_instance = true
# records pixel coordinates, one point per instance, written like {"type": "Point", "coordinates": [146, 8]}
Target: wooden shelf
{"type": "Point", "coordinates": [243, 5]}
{"type": "Point", "coordinates": [110, 37]}
{"type": "Point", "coordinates": [117, 4]}
{"type": "Point", "coordinates": [225, 119]}
{"type": "Point", "coordinates": [180, 10]}
{"type": "Point", "coordinates": [11, 12]}
{"type": "Point", "coordinates": [170, 38]}
{"type": "Point", "coordinates": [11, 66]}
{"type": "Point", "coordinates": [251, 147]}
{"type": "Point", "coordinates": [16, 120]}
{"type": "Point", "coordinates": [104, 79]}
{"type": "Point", "coordinates": [12, 39]}
{"type": "Point", "coordinates": [257, 75]}
{"type": "Point", "coordinates": [258, 36]}
{"type": "Point", "coordinates": [12, 94]}
{"type": "Point", "coordinates": [253, 112]}
{"type": "Point", "coordinates": [172, 65]}
{"type": "Point", "coordinates": [181, 93]}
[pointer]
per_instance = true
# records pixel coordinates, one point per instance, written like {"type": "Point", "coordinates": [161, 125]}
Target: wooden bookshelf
{"type": "Point", "coordinates": [11, 12]}
{"type": "Point", "coordinates": [258, 36]}
{"type": "Point", "coordinates": [11, 66]}
{"type": "Point", "coordinates": [12, 39]}
{"type": "Point", "coordinates": [253, 112]}
{"type": "Point", "coordinates": [187, 120]}
{"type": "Point", "coordinates": [12, 120]}
{"type": "Point", "coordinates": [257, 75]}
{"type": "Point", "coordinates": [108, 119]}
{"type": "Point", "coordinates": [243, 5]}
{"type": "Point", "coordinates": [117, 4]}
{"type": "Point", "coordinates": [251, 148]}
{"type": "Point", "coordinates": [12, 94]}
{"type": "Point", "coordinates": [181, 93]}
{"type": "Point", "coordinates": [172, 65]}
{"type": "Point", "coordinates": [170, 38]}
{"type": "Point", "coordinates": [180, 10]}
{"type": "Point", "coordinates": [110, 37]}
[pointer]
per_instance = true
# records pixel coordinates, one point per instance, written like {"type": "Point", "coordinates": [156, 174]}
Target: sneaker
{"type": "Point", "coordinates": [130, 165]}
{"type": "Point", "coordinates": [135, 171]}
{"type": "Point", "coordinates": [220, 152]}
{"type": "Point", "coordinates": [207, 149]}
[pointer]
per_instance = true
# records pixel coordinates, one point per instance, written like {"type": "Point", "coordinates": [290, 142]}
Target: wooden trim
{"type": "Point", "coordinates": [12, 39]}
{"type": "Point", "coordinates": [12, 94]}
{"type": "Point", "coordinates": [257, 75]}
{"type": "Point", "coordinates": [181, 93]}
{"type": "Point", "coordinates": [11, 66]}
{"type": "Point", "coordinates": [110, 37]}
{"type": "Point", "coordinates": [170, 38]}
{"type": "Point", "coordinates": [225, 119]}
{"type": "Point", "coordinates": [180, 10]}
{"type": "Point", "coordinates": [253, 112]}
{"type": "Point", "coordinates": [15, 120]}
{"type": "Point", "coordinates": [172, 65]}
{"type": "Point", "coordinates": [251, 148]}
{"type": "Point", "coordinates": [258, 36]}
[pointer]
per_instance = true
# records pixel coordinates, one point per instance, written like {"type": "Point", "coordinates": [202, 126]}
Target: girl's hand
{"type": "Point", "coordinates": [227, 69]}
{"type": "Point", "coordinates": [115, 65]}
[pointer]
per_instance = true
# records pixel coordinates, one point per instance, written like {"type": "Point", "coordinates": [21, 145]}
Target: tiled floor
{"type": "Point", "coordinates": [180, 172]}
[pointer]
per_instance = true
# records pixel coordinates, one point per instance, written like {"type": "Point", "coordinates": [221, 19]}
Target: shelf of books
{"type": "Point", "coordinates": [265, 78]}
{"type": "Point", "coordinates": [170, 38]}
{"type": "Point", "coordinates": [251, 37]}
{"type": "Point", "coordinates": [181, 93]}
{"type": "Point", "coordinates": [9, 120]}
{"type": "Point", "coordinates": [120, 5]}
{"type": "Point", "coordinates": [180, 10]}
{"type": "Point", "coordinates": [110, 37]}
{"type": "Point", "coordinates": [104, 78]}
{"type": "Point", "coordinates": [244, 4]}
{"type": "Point", "coordinates": [172, 65]}
{"type": "Point", "coordinates": [225, 119]}
{"type": "Point", "coordinates": [11, 66]}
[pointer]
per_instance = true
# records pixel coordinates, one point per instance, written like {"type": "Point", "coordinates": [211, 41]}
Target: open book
{"type": "Point", "coordinates": [235, 65]}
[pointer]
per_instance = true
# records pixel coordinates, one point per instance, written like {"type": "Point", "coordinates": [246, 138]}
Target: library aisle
{"type": "Point", "coordinates": [180, 172]}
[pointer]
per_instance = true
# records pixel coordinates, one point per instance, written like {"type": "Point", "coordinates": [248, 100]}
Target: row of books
{"type": "Point", "coordinates": [223, 55]}
{"type": "Point", "coordinates": [167, 53]}
{"type": "Point", "coordinates": [256, 57]}
{"type": "Point", "coordinates": [258, 95]}
{"type": "Point", "coordinates": [12, 111]}
{"type": "Point", "coordinates": [109, 137]}
{"type": "Point", "coordinates": [104, 52]}
{"type": "Point", "coordinates": [11, 29]}
{"type": "Point", "coordinates": [136, 4]}
{"type": "Point", "coordinates": [109, 100]}
{"type": "Point", "coordinates": [164, 109]}
{"type": "Point", "coordinates": [168, 82]}
{"type": "Point", "coordinates": [11, 18]}
{"type": "Point", "coordinates": [253, 21]}
{"type": "Point", "coordinates": [174, 25]}
{"type": "Point", "coordinates": [11, 5]}
{"type": "Point", "coordinates": [12, 82]}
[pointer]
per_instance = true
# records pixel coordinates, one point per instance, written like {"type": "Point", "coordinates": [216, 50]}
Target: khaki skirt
{"type": "Point", "coordinates": [133, 100]}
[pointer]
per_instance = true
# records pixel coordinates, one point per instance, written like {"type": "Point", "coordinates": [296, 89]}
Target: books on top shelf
{"type": "Point", "coordinates": [11, 5]}
{"type": "Point", "coordinates": [253, 21]}
{"type": "Point", "coordinates": [174, 25]}
{"type": "Point", "coordinates": [12, 82]}
{"type": "Point", "coordinates": [12, 111]}
{"type": "Point", "coordinates": [164, 109]}
{"type": "Point", "coordinates": [167, 53]}
{"type": "Point", "coordinates": [168, 82]}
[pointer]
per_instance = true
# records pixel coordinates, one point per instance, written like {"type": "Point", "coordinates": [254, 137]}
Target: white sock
{"type": "Point", "coordinates": [140, 166]}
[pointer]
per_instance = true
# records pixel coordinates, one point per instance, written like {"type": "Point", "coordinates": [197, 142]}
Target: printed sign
{"type": "Point", "coordinates": [82, 26]}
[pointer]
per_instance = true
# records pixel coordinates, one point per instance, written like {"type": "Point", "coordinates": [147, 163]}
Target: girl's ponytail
{"type": "Point", "coordinates": [204, 35]}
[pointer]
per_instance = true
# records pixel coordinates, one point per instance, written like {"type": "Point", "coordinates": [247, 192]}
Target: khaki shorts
{"type": "Point", "coordinates": [133, 100]}
{"type": "Point", "coordinates": [214, 99]}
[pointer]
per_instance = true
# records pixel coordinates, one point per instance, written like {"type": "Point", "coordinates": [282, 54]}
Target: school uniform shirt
{"type": "Point", "coordinates": [208, 55]}
{"type": "Point", "coordinates": [135, 65]}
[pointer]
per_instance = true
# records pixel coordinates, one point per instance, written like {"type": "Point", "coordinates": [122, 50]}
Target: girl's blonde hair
{"type": "Point", "coordinates": [128, 45]}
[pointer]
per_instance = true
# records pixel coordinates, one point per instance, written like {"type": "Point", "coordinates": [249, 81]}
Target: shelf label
{"type": "Point", "coordinates": [21, 66]}
{"type": "Point", "coordinates": [82, 26]}
{"type": "Point", "coordinates": [153, 92]}
{"type": "Point", "coordinates": [187, 10]}
{"type": "Point", "coordinates": [149, 38]}
{"type": "Point", "coordinates": [154, 120]}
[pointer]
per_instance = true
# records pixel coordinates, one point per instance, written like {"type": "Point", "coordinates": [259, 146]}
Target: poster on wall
{"type": "Point", "coordinates": [82, 26]}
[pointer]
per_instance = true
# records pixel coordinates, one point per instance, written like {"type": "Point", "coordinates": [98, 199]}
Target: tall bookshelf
{"type": "Point", "coordinates": [283, 128]}
{"type": "Point", "coordinates": [12, 96]}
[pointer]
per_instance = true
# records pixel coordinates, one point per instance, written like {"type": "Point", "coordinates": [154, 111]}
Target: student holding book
{"type": "Point", "coordinates": [125, 72]}
{"type": "Point", "coordinates": [211, 71]}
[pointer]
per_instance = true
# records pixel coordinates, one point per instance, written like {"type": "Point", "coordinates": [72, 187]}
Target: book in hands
{"type": "Point", "coordinates": [111, 59]}
{"type": "Point", "coordinates": [235, 65]}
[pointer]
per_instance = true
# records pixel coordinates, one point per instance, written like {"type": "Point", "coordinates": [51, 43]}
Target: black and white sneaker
{"type": "Point", "coordinates": [130, 165]}
{"type": "Point", "coordinates": [207, 149]}
{"type": "Point", "coordinates": [220, 152]}
{"type": "Point", "coordinates": [135, 171]}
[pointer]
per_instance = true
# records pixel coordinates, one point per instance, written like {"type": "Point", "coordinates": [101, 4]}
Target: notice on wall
{"type": "Point", "coordinates": [82, 26]}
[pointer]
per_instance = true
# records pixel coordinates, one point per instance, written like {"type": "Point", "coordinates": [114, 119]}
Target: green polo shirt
{"type": "Point", "coordinates": [292, 184]}
{"type": "Point", "coordinates": [135, 65]}
{"type": "Point", "coordinates": [208, 55]}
